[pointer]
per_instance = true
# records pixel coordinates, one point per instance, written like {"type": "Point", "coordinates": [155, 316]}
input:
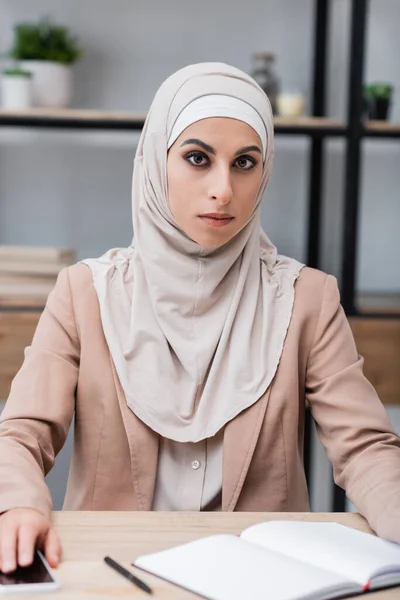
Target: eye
{"type": "Point", "coordinates": [197, 159]}
{"type": "Point", "coordinates": [245, 163]}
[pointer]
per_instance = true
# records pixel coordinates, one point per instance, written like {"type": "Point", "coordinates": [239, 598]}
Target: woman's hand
{"type": "Point", "coordinates": [21, 530]}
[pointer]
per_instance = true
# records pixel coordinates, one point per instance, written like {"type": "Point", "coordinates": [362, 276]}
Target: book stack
{"type": "Point", "coordinates": [28, 273]}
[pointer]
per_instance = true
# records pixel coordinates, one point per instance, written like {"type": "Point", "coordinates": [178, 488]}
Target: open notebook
{"type": "Point", "coordinates": [283, 560]}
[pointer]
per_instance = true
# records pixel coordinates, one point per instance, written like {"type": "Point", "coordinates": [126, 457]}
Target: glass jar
{"type": "Point", "coordinates": [263, 71]}
{"type": "Point", "coordinates": [290, 105]}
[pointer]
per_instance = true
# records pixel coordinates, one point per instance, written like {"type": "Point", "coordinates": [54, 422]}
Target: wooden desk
{"type": "Point", "coordinates": [88, 536]}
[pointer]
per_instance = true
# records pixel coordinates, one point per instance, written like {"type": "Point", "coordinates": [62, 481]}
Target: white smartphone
{"type": "Point", "coordinates": [38, 577]}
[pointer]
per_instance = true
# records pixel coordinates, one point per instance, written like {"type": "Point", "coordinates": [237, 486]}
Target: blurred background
{"type": "Point", "coordinates": [66, 151]}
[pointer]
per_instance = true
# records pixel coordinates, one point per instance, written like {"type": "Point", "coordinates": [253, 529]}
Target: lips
{"type": "Point", "coordinates": [216, 219]}
{"type": "Point", "coordinates": [217, 216]}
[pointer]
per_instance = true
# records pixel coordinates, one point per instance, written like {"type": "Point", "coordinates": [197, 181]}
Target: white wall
{"type": "Point", "coordinates": [73, 188]}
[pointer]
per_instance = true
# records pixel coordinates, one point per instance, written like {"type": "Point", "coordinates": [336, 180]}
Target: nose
{"type": "Point", "coordinates": [221, 186]}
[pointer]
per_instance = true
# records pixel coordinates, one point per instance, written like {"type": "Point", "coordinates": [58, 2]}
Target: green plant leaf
{"type": "Point", "coordinates": [379, 90]}
{"type": "Point", "coordinates": [44, 41]}
{"type": "Point", "coordinates": [17, 72]}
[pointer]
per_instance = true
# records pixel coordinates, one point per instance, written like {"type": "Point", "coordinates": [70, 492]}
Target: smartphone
{"type": "Point", "coordinates": [38, 577]}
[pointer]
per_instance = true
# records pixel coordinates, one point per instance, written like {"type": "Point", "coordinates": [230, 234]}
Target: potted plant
{"type": "Point", "coordinates": [16, 90]}
{"type": "Point", "coordinates": [48, 51]}
{"type": "Point", "coordinates": [377, 100]}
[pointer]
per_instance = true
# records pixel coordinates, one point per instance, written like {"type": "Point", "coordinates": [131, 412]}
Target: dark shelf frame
{"type": "Point", "coordinates": [315, 180]}
{"type": "Point", "coordinates": [317, 155]}
{"type": "Point", "coordinates": [381, 134]}
{"type": "Point", "coordinates": [60, 122]}
{"type": "Point", "coordinates": [353, 154]}
{"type": "Point", "coordinates": [355, 132]}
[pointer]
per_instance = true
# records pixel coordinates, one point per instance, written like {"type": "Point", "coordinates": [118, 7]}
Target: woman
{"type": "Point", "coordinates": [188, 357]}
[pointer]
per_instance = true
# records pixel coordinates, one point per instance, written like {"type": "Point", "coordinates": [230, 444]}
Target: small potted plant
{"type": "Point", "coordinates": [16, 90]}
{"type": "Point", "coordinates": [377, 100]}
{"type": "Point", "coordinates": [48, 51]}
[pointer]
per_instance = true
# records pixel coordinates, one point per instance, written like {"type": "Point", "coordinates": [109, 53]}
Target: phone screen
{"type": "Point", "coordinates": [36, 573]}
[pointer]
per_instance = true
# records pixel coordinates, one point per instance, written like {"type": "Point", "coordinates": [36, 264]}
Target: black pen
{"type": "Point", "coordinates": [122, 571]}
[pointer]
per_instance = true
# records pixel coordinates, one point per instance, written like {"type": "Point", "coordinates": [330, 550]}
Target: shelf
{"type": "Point", "coordinates": [314, 126]}
{"type": "Point", "coordinates": [378, 303]}
{"type": "Point", "coordinates": [72, 119]}
{"type": "Point", "coordinates": [97, 119]}
{"type": "Point", "coordinates": [21, 304]}
{"type": "Point", "coordinates": [382, 129]}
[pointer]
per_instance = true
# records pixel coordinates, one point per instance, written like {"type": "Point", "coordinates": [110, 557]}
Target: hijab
{"type": "Point", "coordinates": [195, 333]}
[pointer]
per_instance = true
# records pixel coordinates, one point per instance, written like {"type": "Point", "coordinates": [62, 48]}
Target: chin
{"type": "Point", "coordinates": [211, 241]}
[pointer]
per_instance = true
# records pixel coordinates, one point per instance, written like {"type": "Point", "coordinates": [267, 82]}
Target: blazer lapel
{"type": "Point", "coordinates": [240, 439]}
{"type": "Point", "coordinates": [143, 445]}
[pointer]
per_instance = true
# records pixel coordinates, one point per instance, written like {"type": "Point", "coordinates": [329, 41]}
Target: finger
{"type": "Point", "coordinates": [8, 547]}
{"type": "Point", "coordinates": [27, 537]}
{"type": "Point", "coordinates": [52, 548]}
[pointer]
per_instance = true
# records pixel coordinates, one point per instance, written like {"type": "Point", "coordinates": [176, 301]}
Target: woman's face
{"type": "Point", "coordinates": [214, 170]}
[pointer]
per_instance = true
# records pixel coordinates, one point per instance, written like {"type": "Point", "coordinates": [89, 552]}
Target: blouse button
{"type": "Point", "coordinates": [195, 464]}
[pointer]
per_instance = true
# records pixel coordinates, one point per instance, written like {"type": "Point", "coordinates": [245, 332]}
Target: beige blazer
{"type": "Point", "coordinates": [68, 370]}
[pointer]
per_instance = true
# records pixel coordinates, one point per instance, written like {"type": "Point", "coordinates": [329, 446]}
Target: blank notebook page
{"type": "Point", "coordinates": [353, 554]}
{"type": "Point", "coordinates": [224, 567]}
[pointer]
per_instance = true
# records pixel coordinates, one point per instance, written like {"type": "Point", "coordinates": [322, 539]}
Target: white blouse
{"type": "Point", "coordinates": [189, 475]}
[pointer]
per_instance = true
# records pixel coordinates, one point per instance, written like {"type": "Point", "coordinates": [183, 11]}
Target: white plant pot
{"type": "Point", "coordinates": [52, 83]}
{"type": "Point", "coordinates": [16, 92]}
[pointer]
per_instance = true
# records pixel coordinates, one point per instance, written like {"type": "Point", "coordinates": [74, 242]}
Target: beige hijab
{"type": "Point", "coordinates": [195, 334]}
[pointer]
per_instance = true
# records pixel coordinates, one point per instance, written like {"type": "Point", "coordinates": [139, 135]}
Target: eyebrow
{"type": "Point", "coordinates": [211, 150]}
